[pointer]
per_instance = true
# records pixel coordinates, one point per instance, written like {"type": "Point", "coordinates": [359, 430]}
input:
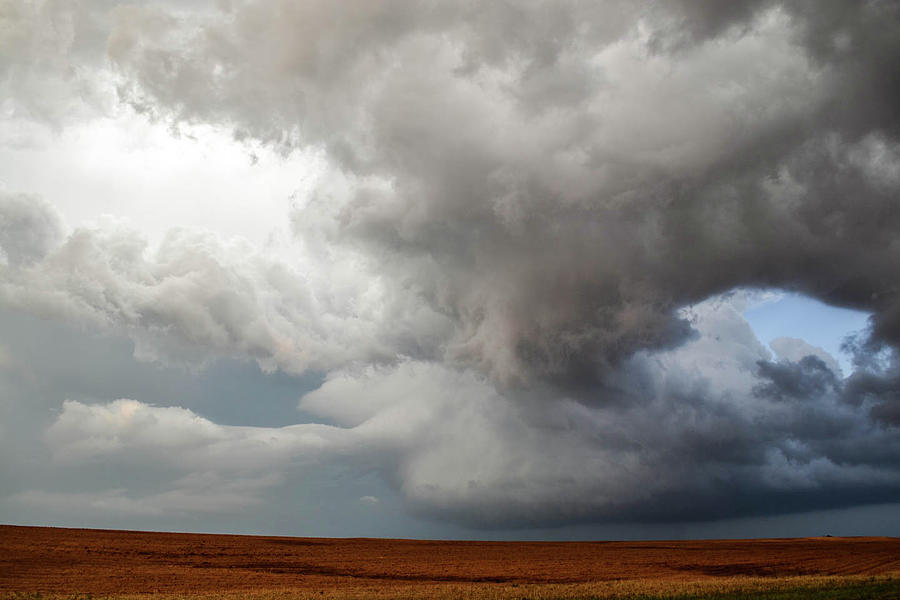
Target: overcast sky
{"type": "Point", "coordinates": [531, 270]}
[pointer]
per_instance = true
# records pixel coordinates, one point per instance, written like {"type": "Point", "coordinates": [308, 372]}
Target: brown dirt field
{"type": "Point", "coordinates": [124, 562]}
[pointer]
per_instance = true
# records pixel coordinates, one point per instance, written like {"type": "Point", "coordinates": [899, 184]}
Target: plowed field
{"type": "Point", "coordinates": [116, 562]}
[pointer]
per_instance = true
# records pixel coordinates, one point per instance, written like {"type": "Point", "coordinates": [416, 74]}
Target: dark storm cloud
{"type": "Point", "coordinates": [808, 378]}
{"type": "Point", "coordinates": [544, 178]}
{"type": "Point", "coordinates": [876, 384]}
{"type": "Point", "coordinates": [521, 201]}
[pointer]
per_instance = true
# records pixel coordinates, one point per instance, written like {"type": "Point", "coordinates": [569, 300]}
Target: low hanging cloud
{"type": "Point", "coordinates": [194, 495]}
{"type": "Point", "coordinates": [712, 429]}
{"type": "Point", "coordinates": [506, 270]}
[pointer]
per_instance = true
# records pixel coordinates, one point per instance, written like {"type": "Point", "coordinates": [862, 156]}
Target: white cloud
{"type": "Point", "coordinates": [50, 54]}
{"type": "Point", "coordinates": [197, 296]}
{"type": "Point", "coordinates": [129, 430]}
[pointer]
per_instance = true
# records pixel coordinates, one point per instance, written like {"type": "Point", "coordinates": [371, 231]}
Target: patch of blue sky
{"type": "Point", "coordinates": [774, 314]}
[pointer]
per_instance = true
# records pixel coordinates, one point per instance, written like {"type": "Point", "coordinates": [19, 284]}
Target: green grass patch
{"type": "Point", "coordinates": [856, 590]}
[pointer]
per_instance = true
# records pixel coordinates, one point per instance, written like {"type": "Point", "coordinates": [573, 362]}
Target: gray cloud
{"type": "Point", "coordinates": [521, 204]}
{"type": "Point", "coordinates": [795, 350]}
{"type": "Point", "coordinates": [707, 430]}
{"type": "Point", "coordinates": [29, 229]}
{"type": "Point", "coordinates": [877, 386]}
{"type": "Point", "coordinates": [559, 188]}
{"type": "Point", "coordinates": [49, 55]}
{"type": "Point", "coordinates": [809, 377]}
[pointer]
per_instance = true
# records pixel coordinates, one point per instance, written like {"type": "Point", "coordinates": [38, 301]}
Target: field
{"type": "Point", "coordinates": [67, 563]}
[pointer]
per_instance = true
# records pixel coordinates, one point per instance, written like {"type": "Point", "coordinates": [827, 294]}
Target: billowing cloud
{"type": "Point", "coordinates": [795, 350]}
{"type": "Point", "coordinates": [709, 430]}
{"type": "Point", "coordinates": [29, 229]}
{"type": "Point", "coordinates": [49, 54]}
{"type": "Point", "coordinates": [561, 186]}
{"type": "Point", "coordinates": [511, 266]}
{"type": "Point", "coordinates": [197, 296]}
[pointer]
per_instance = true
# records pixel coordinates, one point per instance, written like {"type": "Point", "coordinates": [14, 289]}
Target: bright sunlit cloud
{"type": "Point", "coordinates": [159, 177]}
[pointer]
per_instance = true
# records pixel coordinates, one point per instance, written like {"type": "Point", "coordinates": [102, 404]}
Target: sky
{"type": "Point", "coordinates": [536, 270]}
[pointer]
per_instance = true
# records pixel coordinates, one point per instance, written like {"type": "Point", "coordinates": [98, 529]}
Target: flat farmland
{"type": "Point", "coordinates": [115, 563]}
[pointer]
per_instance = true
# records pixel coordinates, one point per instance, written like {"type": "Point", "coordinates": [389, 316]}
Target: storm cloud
{"type": "Point", "coordinates": [709, 430]}
{"type": "Point", "coordinates": [560, 180]}
{"type": "Point", "coordinates": [514, 271]}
